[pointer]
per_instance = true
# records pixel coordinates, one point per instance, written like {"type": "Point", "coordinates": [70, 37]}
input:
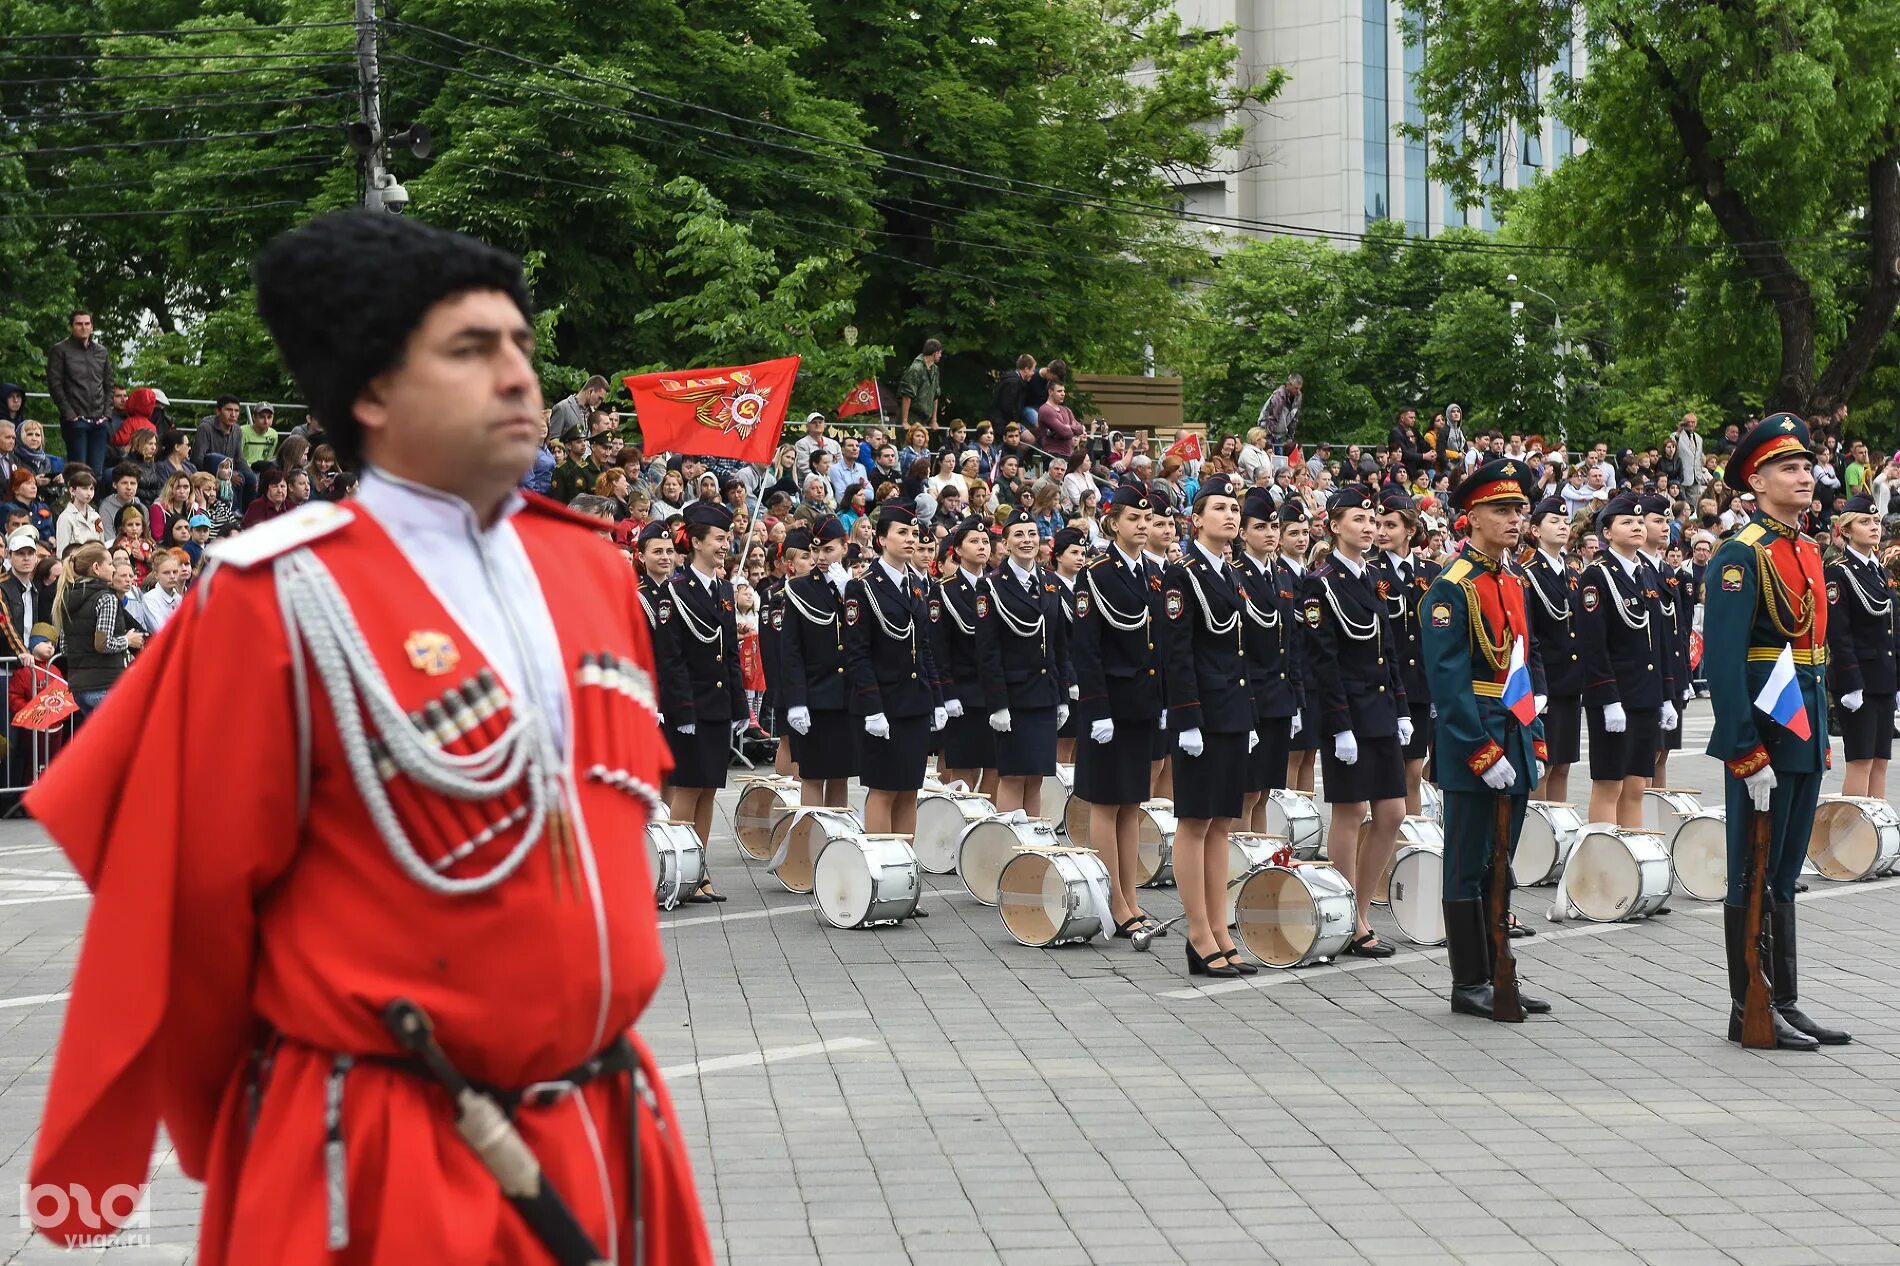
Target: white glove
{"type": "Point", "coordinates": [1434, 712]}
{"type": "Point", "coordinates": [1537, 773]}
{"type": "Point", "coordinates": [1253, 740]}
{"type": "Point", "coordinates": [999, 720]}
{"type": "Point", "coordinates": [1669, 717]}
{"type": "Point", "coordinates": [1542, 702]}
{"type": "Point", "coordinates": [1075, 692]}
{"type": "Point", "coordinates": [1852, 700]}
{"type": "Point", "coordinates": [1191, 741]}
{"type": "Point", "coordinates": [1102, 731]}
{"type": "Point", "coordinates": [799, 719]}
{"type": "Point", "coordinates": [1293, 731]}
{"type": "Point", "coordinates": [1760, 784]}
{"type": "Point", "coordinates": [939, 717]}
{"type": "Point", "coordinates": [1613, 719]}
{"type": "Point", "coordinates": [953, 707]}
{"type": "Point", "coordinates": [1163, 722]}
{"type": "Point", "coordinates": [877, 725]}
{"type": "Point", "coordinates": [1500, 776]}
{"type": "Point", "coordinates": [1405, 730]}
{"type": "Point", "coordinates": [689, 728]}
{"type": "Point", "coordinates": [1346, 747]}
{"type": "Point", "coordinates": [1688, 693]}
{"type": "Point", "coordinates": [1062, 715]}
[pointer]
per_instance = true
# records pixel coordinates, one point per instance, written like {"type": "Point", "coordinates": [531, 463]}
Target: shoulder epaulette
{"type": "Point", "coordinates": [1459, 569]}
{"type": "Point", "coordinates": [1752, 533]}
{"type": "Point", "coordinates": [309, 522]}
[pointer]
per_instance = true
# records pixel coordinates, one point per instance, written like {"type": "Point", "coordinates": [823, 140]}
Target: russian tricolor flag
{"type": "Point", "coordinates": [1517, 686]}
{"type": "Point", "coordinates": [1780, 696]}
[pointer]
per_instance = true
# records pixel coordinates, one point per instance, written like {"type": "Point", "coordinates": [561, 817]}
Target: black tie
{"type": "Point", "coordinates": [1405, 572]}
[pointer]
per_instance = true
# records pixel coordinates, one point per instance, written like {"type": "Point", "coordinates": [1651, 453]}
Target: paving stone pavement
{"type": "Point", "coordinates": [936, 1093]}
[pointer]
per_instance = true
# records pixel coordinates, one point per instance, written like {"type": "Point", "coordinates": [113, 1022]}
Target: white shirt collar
{"type": "Point", "coordinates": [1299, 568]}
{"type": "Point", "coordinates": [1865, 558]}
{"type": "Point", "coordinates": [898, 578]}
{"type": "Point", "coordinates": [1068, 581]}
{"type": "Point", "coordinates": [1628, 564]}
{"type": "Point", "coordinates": [1217, 563]}
{"type": "Point", "coordinates": [1398, 560]}
{"type": "Point", "coordinates": [1026, 577]}
{"type": "Point", "coordinates": [1159, 560]}
{"type": "Point", "coordinates": [404, 506]}
{"type": "Point", "coordinates": [974, 577]}
{"type": "Point", "coordinates": [708, 582]}
{"type": "Point", "coordinates": [1358, 569]}
{"type": "Point", "coordinates": [1556, 561]}
{"type": "Point", "coordinates": [1129, 559]}
{"type": "Point", "coordinates": [1262, 566]}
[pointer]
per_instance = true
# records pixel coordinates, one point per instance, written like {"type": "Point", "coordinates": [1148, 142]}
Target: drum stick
{"type": "Point", "coordinates": [1758, 1026]}
{"type": "Point", "coordinates": [1505, 1006]}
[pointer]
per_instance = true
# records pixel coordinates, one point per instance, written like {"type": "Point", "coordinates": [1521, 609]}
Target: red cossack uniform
{"type": "Point", "coordinates": [247, 929]}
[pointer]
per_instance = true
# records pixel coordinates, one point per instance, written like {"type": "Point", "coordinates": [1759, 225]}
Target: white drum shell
{"type": "Point", "coordinates": [1698, 855]}
{"type": "Point", "coordinates": [1418, 831]}
{"type": "Point", "coordinates": [987, 846]}
{"type": "Point", "coordinates": [678, 860]}
{"type": "Point", "coordinates": [1617, 874]}
{"type": "Point", "coordinates": [1294, 816]}
{"type": "Point", "coordinates": [800, 837]}
{"type": "Point", "coordinates": [1290, 916]}
{"type": "Point", "coordinates": [1546, 842]}
{"type": "Point", "coordinates": [1053, 897]}
{"type": "Point", "coordinates": [759, 808]}
{"type": "Point", "coordinates": [1418, 893]}
{"type": "Point", "coordinates": [942, 817]}
{"type": "Point", "coordinates": [1246, 851]}
{"type": "Point", "coordinates": [864, 880]}
{"type": "Point", "coordinates": [1664, 807]}
{"type": "Point", "coordinates": [1854, 838]}
{"type": "Point", "coordinates": [1154, 844]}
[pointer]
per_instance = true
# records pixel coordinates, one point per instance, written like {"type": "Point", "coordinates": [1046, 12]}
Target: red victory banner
{"type": "Point", "coordinates": [1187, 448]}
{"type": "Point", "coordinates": [734, 412]}
{"type": "Point", "coordinates": [49, 707]}
{"type": "Point", "coordinates": [863, 398]}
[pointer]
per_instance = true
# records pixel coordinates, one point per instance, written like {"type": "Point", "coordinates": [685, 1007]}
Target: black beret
{"type": "Point", "coordinates": [1292, 511]}
{"type": "Point", "coordinates": [1349, 497]}
{"type": "Point", "coordinates": [708, 514]}
{"type": "Point", "coordinates": [1625, 505]}
{"type": "Point", "coordinates": [895, 512]}
{"type": "Point", "coordinates": [830, 528]}
{"type": "Point", "coordinates": [966, 527]}
{"type": "Point", "coordinates": [1259, 505]}
{"type": "Point", "coordinates": [1395, 498]}
{"type": "Point", "coordinates": [1132, 496]}
{"type": "Point", "coordinates": [1018, 516]}
{"type": "Point", "coordinates": [655, 531]}
{"type": "Point", "coordinates": [1549, 505]}
{"type": "Point", "coordinates": [798, 539]}
{"type": "Point", "coordinates": [1217, 486]}
{"type": "Point", "coordinates": [1064, 539]}
{"type": "Point", "coordinates": [342, 294]}
{"type": "Point", "coordinates": [1655, 503]}
{"type": "Point", "coordinates": [1859, 503]}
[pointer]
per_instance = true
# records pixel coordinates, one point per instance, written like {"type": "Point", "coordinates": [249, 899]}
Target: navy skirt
{"type": "Point", "coordinates": [1266, 766]}
{"type": "Point", "coordinates": [1420, 710]}
{"type": "Point", "coordinates": [830, 750]}
{"type": "Point", "coordinates": [968, 741]}
{"type": "Point", "coordinates": [700, 759]}
{"type": "Point", "coordinates": [1378, 774]}
{"type": "Point", "coordinates": [1563, 729]}
{"type": "Point", "coordinates": [1028, 748]}
{"type": "Point", "coordinates": [1868, 733]}
{"type": "Point", "coordinates": [1211, 785]}
{"type": "Point", "coordinates": [1631, 754]}
{"type": "Point", "coordinates": [895, 763]}
{"type": "Point", "coordinates": [1120, 770]}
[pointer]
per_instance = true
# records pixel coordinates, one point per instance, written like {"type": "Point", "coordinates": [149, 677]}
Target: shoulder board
{"type": "Point", "coordinates": [1459, 569]}
{"type": "Point", "coordinates": [1752, 533]}
{"type": "Point", "coordinates": [1098, 561]}
{"type": "Point", "coordinates": [309, 522]}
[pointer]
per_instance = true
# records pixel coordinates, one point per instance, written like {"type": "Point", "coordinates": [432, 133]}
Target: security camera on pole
{"type": "Point", "coordinates": [366, 136]}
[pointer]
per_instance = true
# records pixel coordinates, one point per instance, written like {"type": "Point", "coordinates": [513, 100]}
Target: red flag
{"type": "Point", "coordinates": [1695, 650]}
{"type": "Point", "coordinates": [1187, 448]}
{"type": "Point", "coordinates": [1296, 458]}
{"type": "Point", "coordinates": [732, 412]}
{"type": "Point", "coordinates": [863, 398]}
{"type": "Point", "coordinates": [49, 707]}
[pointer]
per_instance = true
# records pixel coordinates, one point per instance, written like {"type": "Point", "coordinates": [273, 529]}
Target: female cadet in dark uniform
{"type": "Point", "coordinates": [709, 643]}
{"type": "Point", "coordinates": [1032, 638]}
{"type": "Point", "coordinates": [1210, 714]}
{"type": "Point", "coordinates": [1360, 702]}
{"type": "Point", "coordinates": [1161, 536]}
{"type": "Point", "coordinates": [794, 560]}
{"type": "Point", "coordinates": [1068, 554]}
{"type": "Point", "coordinates": [1552, 607]}
{"type": "Point", "coordinates": [659, 559]}
{"type": "Point", "coordinates": [893, 673]}
{"type": "Point", "coordinates": [1272, 624]}
{"type": "Point", "coordinates": [1861, 632]}
{"type": "Point", "coordinates": [1289, 573]}
{"type": "Point", "coordinates": [1401, 581]}
{"type": "Point", "coordinates": [1678, 619]}
{"type": "Point", "coordinates": [967, 658]}
{"type": "Point", "coordinates": [817, 688]}
{"type": "Point", "coordinates": [1630, 682]}
{"type": "Point", "coordinates": [1119, 619]}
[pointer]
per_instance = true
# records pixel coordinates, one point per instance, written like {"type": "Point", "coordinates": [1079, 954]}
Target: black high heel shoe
{"type": "Point", "coordinates": [1235, 961]}
{"type": "Point", "coordinates": [1215, 966]}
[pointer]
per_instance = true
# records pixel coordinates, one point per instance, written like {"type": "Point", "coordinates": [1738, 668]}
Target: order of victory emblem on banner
{"type": "Point", "coordinates": [734, 411]}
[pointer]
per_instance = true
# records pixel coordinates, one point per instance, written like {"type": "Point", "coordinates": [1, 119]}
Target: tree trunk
{"type": "Point", "coordinates": [1855, 355]}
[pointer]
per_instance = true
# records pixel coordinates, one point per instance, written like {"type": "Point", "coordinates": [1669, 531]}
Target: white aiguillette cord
{"type": "Point", "coordinates": [317, 616]}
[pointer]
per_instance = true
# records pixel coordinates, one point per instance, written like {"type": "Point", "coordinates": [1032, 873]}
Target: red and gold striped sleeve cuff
{"type": "Point", "coordinates": [1753, 763]}
{"type": "Point", "coordinates": [1485, 757]}
{"type": "Point", "coordinates": [1541, 750]}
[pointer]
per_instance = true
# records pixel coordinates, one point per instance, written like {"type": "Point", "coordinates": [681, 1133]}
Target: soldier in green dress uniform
{"type": "Point", "coordinates": [1765, 592]}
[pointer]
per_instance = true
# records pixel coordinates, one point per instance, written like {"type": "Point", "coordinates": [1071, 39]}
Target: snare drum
{"type": "Point", "coordinates": [1418, 892]}
{"type": "Point", "coordinates": [1414, 831]}
{"type": "Point", "coordinates": [1664, 807]}
{"type": "Point", "coordinates": [1069, 815]}
{"type": "Point", "coordinates": [765, 800]}
{"type": "Point", "coordinates": [941, 819]}
{"type": "Point", "coordinates": [1544, 845]}
{"type": "Point", "coordinates": [1617, 874]}
{"type": "Point", "coordinates": [1854, 838]}
{"type": "Point", "coordinates": [1289, 916]}
{"type": "Point", "coordinates": [1248, 851]}
{"type": "Point", "coordinates": [1050, 896]}
{"type": "Point", "coordinates": [860, 881]}
{"type": "Point", "coordinates": [987, 846]}
{"type": "Point", "coordinates": [1698, 853]}
{"type": "Point", "coordinates": [1293, 816]}
{"type": "Point", "coordinates": [678, 860]}
{"type": "Point", "coordinates": [800, 836]}
{"type": "Point", "coordinates": [1154, 845]}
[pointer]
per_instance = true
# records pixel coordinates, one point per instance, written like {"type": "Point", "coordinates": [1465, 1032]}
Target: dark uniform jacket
{"type": "Point", "coordinates": [669, 667]}
{"type": "Point", "coordinates": [1473, 728]}
{"type": "Point", "coordinates": [1552, 604]}
{"type": "Point", "coordinates": [1861, 628]}
{"type": "Point", "coordinates": [1272, 622]}
{"type": "Point", "coordinates": [966, 649]}
{"type": "Point", "coordinates": [708, 639]}
{"type": "Point", "coordinates": [1403, 600]}
{"type": "Point", "coordinates": [812, 660]}
{"type": "Point", "coordinates": [1627, 655]}
{"type": "Point", "coordinates": [1032, 637]}
{"type": "Point", "coordinates": [889, 658]}
{"type": "Point", "coordinates": [1676, 596]}
{"type": "Point", "coordinates": [1289, 584]}
{"type": "Point", "coordinates": [1208, 682]}
{"type": "Point", "coordinates": [1117, 646]}
{"type": "Point", "coordinates": [1352, 656]}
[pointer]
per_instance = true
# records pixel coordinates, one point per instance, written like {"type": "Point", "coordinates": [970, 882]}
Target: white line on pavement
{"type": "Point", "coordinates": [34, 999]}
{"type": "Point", "coordinates": [770, 1055]}
{"type": "Point", "coordinates": [733, 918]}
{"type": "Point", "coordinates": [24, 849]}
{"type": "Point", "coordinates": [59, 896]}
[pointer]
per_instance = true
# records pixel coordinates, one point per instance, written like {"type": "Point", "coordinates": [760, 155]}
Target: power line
{"type": "Point", "coordinates": [283, 55]}
{"type": "Point", "coordinates": [173, 140]}
{"type": "Point", "coordinates": [126, 215]}
{"type": "Point", "coordinates": [315, 161]}
{"type": "Point", "coordinates": [82, 80]}
{"type": "Point", "coordinates": [255, 28]}
{"type": "Point", "coordinates": [222, 102]}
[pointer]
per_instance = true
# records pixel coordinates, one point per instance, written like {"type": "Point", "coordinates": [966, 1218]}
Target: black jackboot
{"type": "Point", "coordinates": [1736, 933]}
{"type": "Point", "coordinates": [1784, 971]}
{"type": "Point", "coordinates": [1529, 1004]}
{"type": "Point", "coordinates": [1470, 962]}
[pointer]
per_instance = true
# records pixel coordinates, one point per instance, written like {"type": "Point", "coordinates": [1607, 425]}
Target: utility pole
{"type": "Point", "coordinates": [380, 190]}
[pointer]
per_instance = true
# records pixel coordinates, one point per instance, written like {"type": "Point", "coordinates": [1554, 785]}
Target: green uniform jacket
{"type": "Point", "coordinates": [1472, 731]}
{"type": "Point", "coordinates": [1735, 621]}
